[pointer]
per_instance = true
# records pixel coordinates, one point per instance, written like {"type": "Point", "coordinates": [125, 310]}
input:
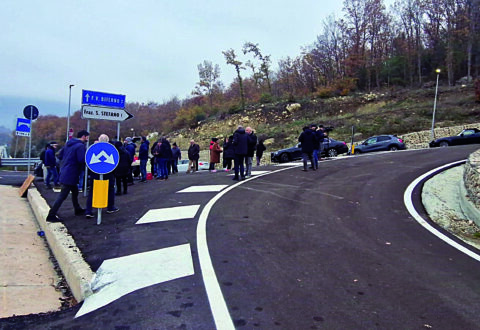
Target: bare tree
{"type": "Point", "coordinates": [250, 47]}
{"type": "Point", "coordinates": [208, 74]}
{"type": "Point", "coordinates": [231, 58]}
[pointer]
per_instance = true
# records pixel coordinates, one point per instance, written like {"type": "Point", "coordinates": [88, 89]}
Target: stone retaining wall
{"type": "Point", "coordinates": [471, 177]}
{"type": "Point", "coordinates": [419, 140]}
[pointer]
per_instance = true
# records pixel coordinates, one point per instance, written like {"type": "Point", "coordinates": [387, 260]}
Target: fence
{"type": "Point", "coordinates": [17, 162]}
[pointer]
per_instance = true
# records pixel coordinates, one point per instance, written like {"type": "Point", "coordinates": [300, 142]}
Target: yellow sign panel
{"type": "Point", "coordinates": [100, 194]}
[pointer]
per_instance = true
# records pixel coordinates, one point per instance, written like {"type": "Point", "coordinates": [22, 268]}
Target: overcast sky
{"type": "Point", "coordinates": [147, 50]}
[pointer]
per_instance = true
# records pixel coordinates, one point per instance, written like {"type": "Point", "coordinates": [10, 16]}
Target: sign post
{"type": "Point", "coordinates": [30, 112]}
{"type": "Point", "coordinates": [101, 158]}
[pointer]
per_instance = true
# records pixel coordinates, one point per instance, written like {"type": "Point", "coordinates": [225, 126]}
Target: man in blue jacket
{"type": "Point", "coordinates": [309, 142]}
{"type": "Point", "coordinates": [51, 163]}
{"type": "Point", "coordinates": [73, 162]}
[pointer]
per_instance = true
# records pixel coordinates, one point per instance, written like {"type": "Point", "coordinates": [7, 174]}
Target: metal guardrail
{"type": "Point", "coordinates": [19, 161]}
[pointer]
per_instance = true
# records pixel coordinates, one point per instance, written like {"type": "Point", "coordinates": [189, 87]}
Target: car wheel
{"type": "Point", "coordinates": [284, 158]}
{"type": "Point", "coordinates": [332, 152]}
{"type": "Point", "coordinates": [443, 144]}
{"type": "Point", "coordinates": [393, 148]}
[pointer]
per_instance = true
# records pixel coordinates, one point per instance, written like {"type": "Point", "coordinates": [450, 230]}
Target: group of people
{"type": "Point", "coordinates": [72, 171]}
{"type": "Point", "coordinates": [239, 148]}
{"type": "Point", "coordinates": [311, 140]}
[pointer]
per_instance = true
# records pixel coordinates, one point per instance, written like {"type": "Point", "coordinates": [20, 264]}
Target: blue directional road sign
{"type": "Point", "coordinates": [103, 99]}
{"type": "Point", "coordinates": [23, 127]}
{"type": "Point", "coordinates": [102, 157]}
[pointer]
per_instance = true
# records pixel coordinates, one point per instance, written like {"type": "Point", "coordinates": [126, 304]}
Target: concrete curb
{"type": "Point", "coordinates": [468, 208]}
{"type": "Point", "coordinates": [76, 271]}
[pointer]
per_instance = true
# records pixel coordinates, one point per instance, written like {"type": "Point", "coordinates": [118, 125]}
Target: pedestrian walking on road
{"type": "Point", "coordinates": [73, 162]}
{"type": "Point", "coordinates": [176, 156]}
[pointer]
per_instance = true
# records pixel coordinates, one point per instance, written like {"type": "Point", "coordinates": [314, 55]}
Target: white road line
{"type": "Point", "coordinates": [217, 302]}
{"type": "Point", "coordinates": [168, 214]}
{"type": "Point", "coordinates": [120, 276]}
{"type": "Point", "coordinates": [407, 199]}
{"type": "Point", "coordinates": [206, 188]}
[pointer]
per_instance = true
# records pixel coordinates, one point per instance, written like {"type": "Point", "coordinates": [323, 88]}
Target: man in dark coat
{"type": "Point", "coordinates": [164, 155]}
{"type": "Point", "coordinates": [143, 156]}
{"type": "Point", "coordinates": [73, 162]}
{"type": "Point", "coordinates": [260, 149]}
{"type": "Point", "coordinates": [176, 156]}
{"type": "Point", "coordinates": [240, 146]}
{"type": "Point", "coordinates": [228, 153]}
{"type": "Point", "coordinates": [308, 141]}
{"type": "Point", "coordinates": [193, 156]}
{"type": "Point", "coordinates": [131, 148]}
{"type": "Point", "coordinates": [251, 145]}
{"type": "Point", "coordinates": [121, 172]}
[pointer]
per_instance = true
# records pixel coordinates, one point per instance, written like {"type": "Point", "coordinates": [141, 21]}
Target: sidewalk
{"type": "Point", "coordinates": [27, 275]}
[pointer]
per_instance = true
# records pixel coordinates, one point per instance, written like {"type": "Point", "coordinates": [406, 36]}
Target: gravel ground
{"type": "Point", "coordinates": [440, 197]}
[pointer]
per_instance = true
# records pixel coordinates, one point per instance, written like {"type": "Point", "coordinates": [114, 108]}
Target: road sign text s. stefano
{"type": "Point", "coordinates": [103, 99]}
{"type": "Point", "coordinates": [91, 112]}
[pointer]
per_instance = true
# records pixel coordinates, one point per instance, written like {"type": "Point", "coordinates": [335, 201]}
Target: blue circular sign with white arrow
{"type": "Point", "coordinates": [102, 157]}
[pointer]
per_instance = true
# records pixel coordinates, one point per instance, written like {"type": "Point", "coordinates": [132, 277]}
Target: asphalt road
{"type": "Point", "coordinates": [332, 249]}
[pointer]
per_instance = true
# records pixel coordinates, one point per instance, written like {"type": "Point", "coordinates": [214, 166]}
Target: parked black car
{"type": "Point", "coordinates": [380, 143]}
{"type": "Point", "coordinates": [331, 148]}
{"type": "Point", "coordinates": [467, 136]}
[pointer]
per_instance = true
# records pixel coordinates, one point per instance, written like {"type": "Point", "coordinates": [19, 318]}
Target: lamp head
{"type": "Point", "coordinates": [438, 71]}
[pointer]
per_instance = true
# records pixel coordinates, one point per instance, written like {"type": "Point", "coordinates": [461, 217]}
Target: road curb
{"type": "Point", "coordinates": [76, 271]}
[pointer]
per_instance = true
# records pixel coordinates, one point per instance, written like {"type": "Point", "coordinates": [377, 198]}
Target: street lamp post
{"type": "Point", "coordinates": [435, 106]}
{"type": "Point", "coordinates": [68, 115]}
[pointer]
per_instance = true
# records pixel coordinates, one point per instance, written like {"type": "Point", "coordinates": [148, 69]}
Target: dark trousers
{"type": "Point", "coordinates": [239, 167]}
{"type": "Point", "coordinates": [143, 168]}
{"type": "Point", "coordinates": [306, 156]}
{"type": "Point", "coordinates": [227, 163]}
{"type": "Point", "coordinates": [66, 189]}
{"type": "Point", "coordinates": [119, 181]}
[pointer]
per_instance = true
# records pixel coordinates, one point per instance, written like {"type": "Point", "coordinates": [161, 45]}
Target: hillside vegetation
{"type": "Point", "coordinates": [393, 111]}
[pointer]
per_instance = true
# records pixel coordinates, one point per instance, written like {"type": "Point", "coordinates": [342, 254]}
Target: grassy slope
{"type": "Point", "coordinates": [397, 111]}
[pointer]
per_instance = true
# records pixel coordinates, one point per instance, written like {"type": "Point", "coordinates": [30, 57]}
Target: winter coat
{"type": "Point", "coordinates": [252, 144]}
{"type": "Point", "coordinates": [73, 162]}
{"type": "Point", "coordinates": [240, 142]}
{"type": "Point", "coordinates": [260, 149]}
{"type": "Point", "coordinates": [143, 151]}
{"type": "Point", "coordinates": [165, 150]}
{"type": "Point", "coordinates": [50, 159]}
{"type": "Point", "coordinates": [194, 152]}
{"type": "Point", "coordinates": [176, 153]}
{"type": "Point", "coordinates": [215, 153]}
{"type": "Point", "coordinates": [228, 151]}
{"type": "Point", "coordinates": [308, 140]}
{"type": "Point", "coordinates": [124, 163]}
{"type": "Point", "coordinates": [130, 147]}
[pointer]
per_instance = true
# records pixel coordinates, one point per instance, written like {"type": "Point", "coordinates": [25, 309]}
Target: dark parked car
{"type": "Point", "coordinates": [467, 136]}
{"type": "Point", "coordinates": [380, 143]}
{"type": "Point", "coordinates": [331, 148]}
